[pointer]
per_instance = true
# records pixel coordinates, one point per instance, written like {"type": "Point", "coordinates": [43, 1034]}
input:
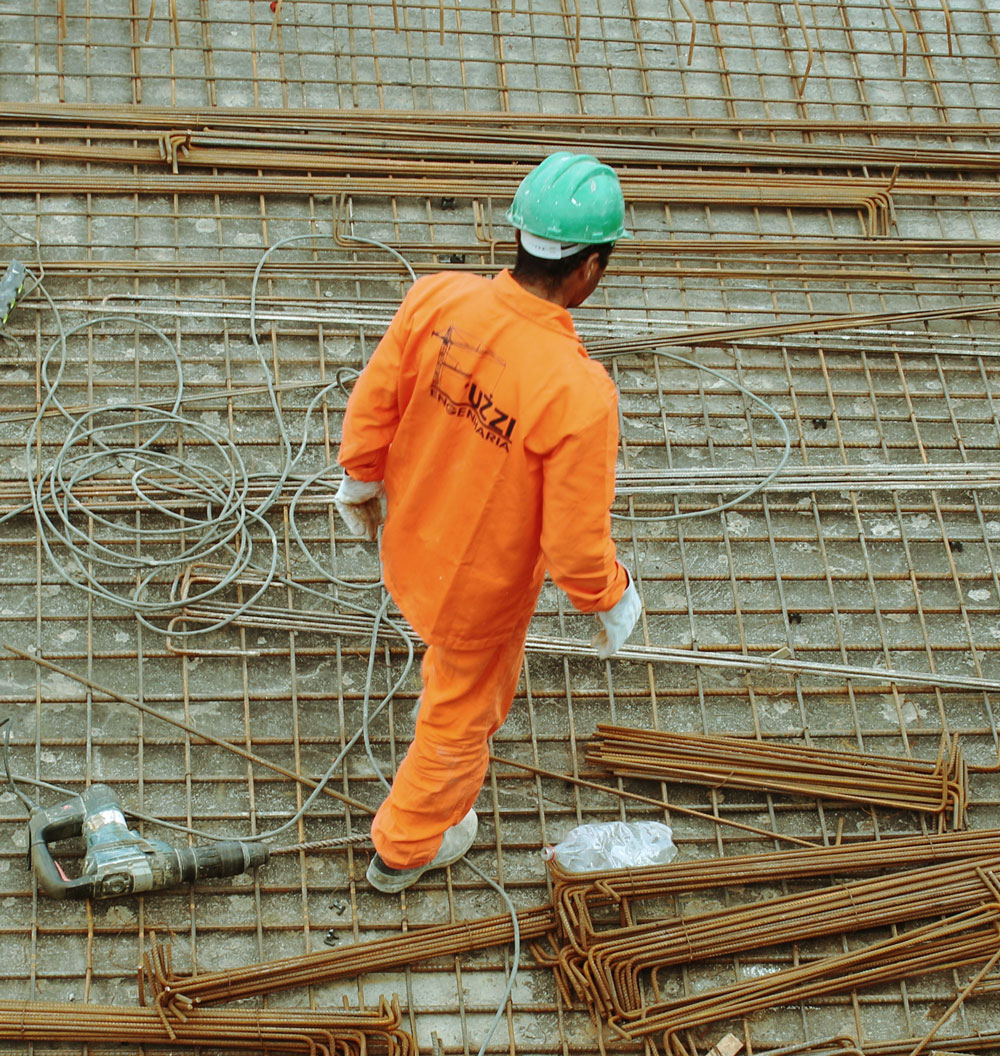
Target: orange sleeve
{"type": "Point", "coordinates": [577, 491]}
{"type": "Point", "coordinates": [373, 409]}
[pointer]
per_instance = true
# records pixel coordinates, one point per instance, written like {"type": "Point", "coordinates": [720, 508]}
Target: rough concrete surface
{"type": "Point", "coordinates": [862, 570]}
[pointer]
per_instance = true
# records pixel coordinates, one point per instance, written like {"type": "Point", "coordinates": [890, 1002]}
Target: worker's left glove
{"type": "Point", "coordinates": [359, 502]}
{"type": "Point", "coordinates": [617, 623]}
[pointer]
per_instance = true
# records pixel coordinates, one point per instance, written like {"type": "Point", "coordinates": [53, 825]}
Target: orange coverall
{"type": "Point", "coordinates": [496, 437]}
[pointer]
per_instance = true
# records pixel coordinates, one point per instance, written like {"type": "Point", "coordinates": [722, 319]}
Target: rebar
{"type": "Point", "coordinates": [347, 624]}
{"type": "Point", "coordinates": [327, 622]}
{"type": "Point", "coordinates": [318, 1033]}
{"type": "Point", "coordinates": [118, 495]}
{"type": "Point", "coordinates": [956, 941]}
{"type": "Point", "coordinates": [870, 197]}
{"type": "Point", "coordinates": [578, 897]}
{"type": "Point", "coordinates": [608, 976]}
{"type": "Point", "coordinates": [939, 788]}
{"type": "Point", "coordinates": [458, 123]}
{"type": "Point", "coordinates": [842, 1045]}
{"type": "Point", "coordinates": [176, 994]}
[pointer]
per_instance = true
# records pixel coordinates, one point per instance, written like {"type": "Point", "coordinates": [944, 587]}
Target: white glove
{"type": "Point", "coordinates": [617, 623]}
{"type": "Point", "coordinates": [359, 502]}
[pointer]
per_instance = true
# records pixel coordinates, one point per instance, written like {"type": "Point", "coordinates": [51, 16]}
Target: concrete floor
{"type": "Point", "coordinates": [865, 576]}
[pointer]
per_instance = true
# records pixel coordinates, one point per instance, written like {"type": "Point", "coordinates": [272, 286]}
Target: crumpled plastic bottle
{"type": "Point", "coordinates": [613, 845]}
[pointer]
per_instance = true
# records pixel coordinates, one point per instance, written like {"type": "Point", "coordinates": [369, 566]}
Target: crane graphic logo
{"type": "Point", "coordinates": [465, 378]}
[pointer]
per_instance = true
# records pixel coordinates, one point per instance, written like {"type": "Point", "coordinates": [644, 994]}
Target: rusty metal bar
{"type": "Point", "coordinates": [177, 994]}
{"type": "Point", "coordinates": [322, 1033]}
{"type": "Point", "coordinates": [608, 974]}
{"type": "Point", "coordinates": [576, 897]}
{"type": "Point", "coordinates": [939, 788]}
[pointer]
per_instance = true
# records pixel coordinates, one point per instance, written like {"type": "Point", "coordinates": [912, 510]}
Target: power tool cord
{"type": "Point", "coordinates": [29, 803]}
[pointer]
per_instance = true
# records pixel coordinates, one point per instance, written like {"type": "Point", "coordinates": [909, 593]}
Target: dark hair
{"type": "Point", "coordinates": [551, 273]}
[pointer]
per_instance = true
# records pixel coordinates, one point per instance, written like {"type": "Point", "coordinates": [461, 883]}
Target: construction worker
{"type": "Point", "coordinates": [489, 437]}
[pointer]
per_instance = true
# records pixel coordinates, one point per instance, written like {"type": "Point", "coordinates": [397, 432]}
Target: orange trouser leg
{"type": "Point", "coordinates": [467, 695]}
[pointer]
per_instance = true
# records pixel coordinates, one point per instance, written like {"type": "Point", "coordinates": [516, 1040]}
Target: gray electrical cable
{"type": "Point", "coordinates": [368, 682]}
{"type": "Point", "coordinates": [206, 485]}
{"type": "Point", "coordinates": [90, 450]}
{"type": "Point", "coordinates": [5, 725]}
{"type": "Point", "coordinates": [754, 489]}
{"type": "Point", "coordinates": [495, 1022]}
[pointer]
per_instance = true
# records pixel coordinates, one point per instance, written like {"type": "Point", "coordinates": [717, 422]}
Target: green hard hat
{"type": "Point", "coordinates": [570, 198]}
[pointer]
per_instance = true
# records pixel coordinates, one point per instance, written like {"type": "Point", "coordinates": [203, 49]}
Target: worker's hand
{"type": "Point", "coordinates": [359, 503]}
{"type": "Point", "coordinates": [617, 623]}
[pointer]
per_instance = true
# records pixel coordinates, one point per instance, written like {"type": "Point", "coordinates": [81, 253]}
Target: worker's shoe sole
{"type": "Point", "coordinates": [455, 843]}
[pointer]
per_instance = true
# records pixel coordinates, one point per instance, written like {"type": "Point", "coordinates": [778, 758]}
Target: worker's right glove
{"type": "Point", "coordinates": [359, 502]}
{"type": "Point", "coordinates": [617, 623]}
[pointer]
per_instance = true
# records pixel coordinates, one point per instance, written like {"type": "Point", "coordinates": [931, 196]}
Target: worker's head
{"type": "Point", "coordinates": [568, 211]}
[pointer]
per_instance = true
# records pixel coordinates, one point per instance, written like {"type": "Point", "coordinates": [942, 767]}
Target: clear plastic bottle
{"type": "Point", "coordinates": [613, 845]}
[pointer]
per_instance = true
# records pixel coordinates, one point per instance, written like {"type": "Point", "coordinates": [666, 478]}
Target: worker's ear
{"type": "Point", "coordinates": [593, 267]}
{"type": "Point", "coordinates": [583, 280]}
{"type": "Point", "coordinates": [593, 271]}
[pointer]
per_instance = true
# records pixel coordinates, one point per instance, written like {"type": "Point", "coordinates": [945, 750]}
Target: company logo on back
{"type": "Point", "coordinates": [465, 379]}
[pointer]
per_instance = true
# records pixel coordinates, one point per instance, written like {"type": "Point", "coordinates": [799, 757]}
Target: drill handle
{"type": "Point", "coordinates": [48, 826]}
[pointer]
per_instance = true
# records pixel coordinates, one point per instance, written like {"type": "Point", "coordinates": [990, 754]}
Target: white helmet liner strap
{"type": "Point", "coordinates": [548, 248]}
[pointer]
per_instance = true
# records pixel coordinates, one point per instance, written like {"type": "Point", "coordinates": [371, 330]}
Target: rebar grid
{"type": "Point", "coordinates": [834, 55]}
{"type": "Point", "coordinates": [232, 711]}
{"type": "Point", "coordinates": [854, 559]}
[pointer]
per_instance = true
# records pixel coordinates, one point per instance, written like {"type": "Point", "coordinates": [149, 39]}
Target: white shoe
{"type": "Point", "coordinates": [455, 843]}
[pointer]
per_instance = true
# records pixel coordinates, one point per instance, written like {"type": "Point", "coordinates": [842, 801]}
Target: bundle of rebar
{"type": "Point", "coordinates": [980, 1041]}
{"type": "Point", "coordinates": [844, 1045]}
{"type": "Point", "coordinates": [855, 477]}
{"type": "Point", "coordinates": [419, 143]}
{"type": "Point", "coordinates": [578, 898]}
{"type": "Point", "coordinates": [958, 940]}
{"type": "Point", "coordinates": [659, 257]}
{"type": "Point", "coordinates": [459, 125]}
{"type": "Point", "coordinates": [213, 611]}
{"type": "Point", "coordinates": [869, 197]}
{"type": "Point", "coordinates": [939, 788]}
{"type": "Point", "coordinates": [118, 495]}
{"type": "Point", "coordinates": [176, 995]}
{"type": "Point", "coordinates": [335, 1032]}
{"type": "Point", "coordinates": [612, 967]}
{"type": "Point", "coordinates": [608, 977]}
{"type": "Point", "coordinates": [423, 136]}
